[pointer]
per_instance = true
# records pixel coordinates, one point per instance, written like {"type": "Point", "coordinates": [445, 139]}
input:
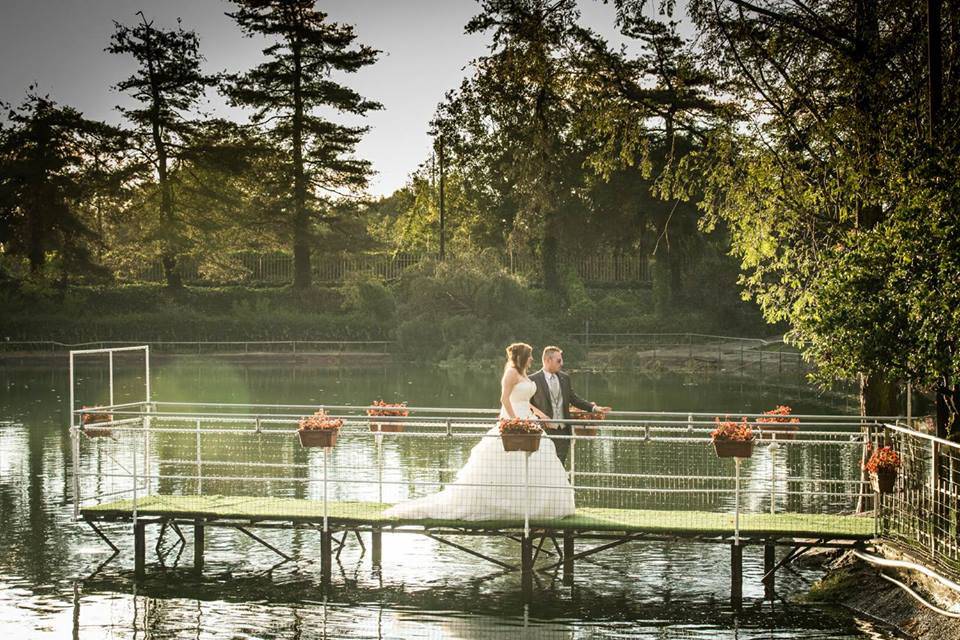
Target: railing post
{"type": "Point", "coordinates": [934, 502]}
{"type": "Point", "coordinates": [736, 502]}
{"type": "Point", "coordinates": [774, 447]}
{"type": "Point", "coordinates": [526, 495]}
{"type": "Point", "coordinates": [199, 462]}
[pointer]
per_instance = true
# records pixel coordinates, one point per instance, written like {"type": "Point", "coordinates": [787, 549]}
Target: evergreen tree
{"type": "Point", "coordinates": [284, 91]}
{"type": "Point", "coordinates": [168, 83]}
{"type": "Point", "coordinates": [45, 154]}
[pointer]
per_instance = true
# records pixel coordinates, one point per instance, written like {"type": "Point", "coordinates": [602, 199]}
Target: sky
{"type": "Point", "coordinates": [59, 45]}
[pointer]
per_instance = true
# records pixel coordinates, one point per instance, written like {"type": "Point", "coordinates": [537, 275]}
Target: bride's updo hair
{"type": "Point", "coordinates": [518, 356]}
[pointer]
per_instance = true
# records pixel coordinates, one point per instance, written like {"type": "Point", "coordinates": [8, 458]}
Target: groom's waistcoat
{"type": "Point", "coordinates": [541, 399]}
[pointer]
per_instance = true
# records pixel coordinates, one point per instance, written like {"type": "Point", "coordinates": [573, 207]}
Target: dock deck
{"type": "Point", "coordinates": [212, 508]}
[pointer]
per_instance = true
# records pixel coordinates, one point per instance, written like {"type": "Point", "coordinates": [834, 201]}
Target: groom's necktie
{"type": "Point", "coordinates": [556, 397]}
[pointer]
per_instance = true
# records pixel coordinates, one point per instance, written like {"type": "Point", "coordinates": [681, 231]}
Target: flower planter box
{"type": "Point", "coordinates": [587, 430]}
{"type": "Point", "coordinates": [883, 481]}
{"type": "Point", "coordinates": [733, 448]}
{"type": "Point", "coordinates": [782, 431]}
{"type": "Point", "coordinates": [318, 437]}
{"type": "Point", "coordinates": [529, 442]}
{"type": "Point", "coordinates": [387, 427]}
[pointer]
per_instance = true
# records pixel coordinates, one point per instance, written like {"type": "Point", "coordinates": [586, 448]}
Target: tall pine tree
{"type": "Point", "coordinates": [285, 90]}
{"type": "Point", "coordinates": [168, 83]}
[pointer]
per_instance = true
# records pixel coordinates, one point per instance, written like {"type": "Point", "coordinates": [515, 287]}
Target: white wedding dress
{"type": "Point", "coordinates": [490, 486]}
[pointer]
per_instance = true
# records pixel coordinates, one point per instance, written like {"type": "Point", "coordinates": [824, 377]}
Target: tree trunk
{"type": "Point", "coordinates": [549, 251]}
{"type": "Point", "coordinates": [878, 397]}
{"type": "Point", "coordinates": [948, 410]}
{"type": "Point", "coordinates": [301, 226]}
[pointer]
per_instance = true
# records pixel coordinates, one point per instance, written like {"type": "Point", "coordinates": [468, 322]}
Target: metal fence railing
{"type": "Point", "coordinates": [212, 347]}
{"type": "Point", "coordinates": [922, 515]}
{"type": "Point", "coordinates": [277, 268]}
{"type": "Point", "coordinates": [640, 463]}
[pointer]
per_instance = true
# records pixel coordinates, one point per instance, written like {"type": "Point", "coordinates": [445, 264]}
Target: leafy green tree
{"type": "Point", "coordinates": [834, 99]}
{"type": "Point", "coordinates": [44, 165]}
{"type": "Point", "coordinates": [314, 158]}
{"type": "Point", "coordinates": [168, 83]}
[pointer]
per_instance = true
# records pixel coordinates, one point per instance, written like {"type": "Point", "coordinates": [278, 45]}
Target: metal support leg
{"type": "Point", "coordinates": [198, 546]}
{"type": "Point", "coordinates": [139, 548]}
{"type": "Point", "coordinates": [769, 560]}
{"type": "Point", "coordinates": [526, 566]}
{"type": "Point", "coordinates": [326, 555]}
{"type": "Point", "coordinates": [376, 543]}
{"type": "Point", "coordinates": [736, 575]}
{"type": "Point", "coordinates": [568, 557]}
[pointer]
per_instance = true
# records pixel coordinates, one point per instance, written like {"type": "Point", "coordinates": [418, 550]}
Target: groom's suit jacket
{"type": "Point", "coordinates": [541, 400]}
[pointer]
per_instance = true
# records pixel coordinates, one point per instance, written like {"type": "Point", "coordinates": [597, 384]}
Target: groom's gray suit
{"type": "Point", "coordinates": [542, 400]}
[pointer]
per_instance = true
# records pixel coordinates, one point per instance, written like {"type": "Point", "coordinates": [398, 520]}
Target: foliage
{"type": "Point", "coordinates": [368, 295]}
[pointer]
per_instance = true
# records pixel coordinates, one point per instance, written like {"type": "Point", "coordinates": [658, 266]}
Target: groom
{"type": "Point", "coordinates": [555, 395]}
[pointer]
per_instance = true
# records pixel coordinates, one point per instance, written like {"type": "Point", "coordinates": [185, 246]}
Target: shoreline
{"type": "Point", "coordinates": [857, 586]}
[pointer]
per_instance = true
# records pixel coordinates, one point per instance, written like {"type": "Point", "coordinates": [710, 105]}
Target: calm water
{"type": "Point", "coordinates": [51, 584]}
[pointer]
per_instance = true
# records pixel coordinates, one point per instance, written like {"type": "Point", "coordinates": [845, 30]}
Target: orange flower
{"type": "Point", "coordinates": [320, 421]}
{"type": "Point", "coordinates": [777, 415]}
{"type": "Point", "coordinates": [882, 459]}
{"type": "Point", "coordinates": [388, 409]}
{"type": "Point", "coordinates": [730, 430]}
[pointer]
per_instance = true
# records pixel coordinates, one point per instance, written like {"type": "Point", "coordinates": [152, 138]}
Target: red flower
{"type": "Point", "coordinates": [777, 415]}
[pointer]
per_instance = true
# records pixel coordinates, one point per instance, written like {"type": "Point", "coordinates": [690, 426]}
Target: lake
{"type": "Point", "coordinates": [51, 584]}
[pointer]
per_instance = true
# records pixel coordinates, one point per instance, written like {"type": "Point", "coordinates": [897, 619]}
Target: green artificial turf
{"type": "Point", "coordinates": [585, 519]}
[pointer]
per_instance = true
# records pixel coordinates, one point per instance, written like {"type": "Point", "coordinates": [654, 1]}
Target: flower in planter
{"type": "Point", "coordinates": [518, 434]}
{"type": "Point", "coordinates": [320, 421]}
{"type": "Point", "coordinates": [731, 431]}
{"type": "Point", "coordinates": [588, 428]}
{"type": "Point", "coordinates": [388, 409]}
{"type": "Point", "coordinates": [94, 418]}
{"type": "Point", "coordinates": [781, 423]}
{"type": "Point", "coordinates": [518, 425]}
{"type": "Point", "coordinates": [732, 439]}
{"type": "Point", "coordinates": [882, 460]}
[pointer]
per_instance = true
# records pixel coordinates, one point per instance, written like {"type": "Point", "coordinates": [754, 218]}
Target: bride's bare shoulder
{"type": "Point", "coordinates": [510, 374]}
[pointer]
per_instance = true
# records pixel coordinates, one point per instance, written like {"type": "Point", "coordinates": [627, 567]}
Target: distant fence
{"type": "Point", "coordinates": [213, 347]}
{"type": "Point", "coordinates": [728, 352]}
{"type": "Point", "coordinates": [277, 268]}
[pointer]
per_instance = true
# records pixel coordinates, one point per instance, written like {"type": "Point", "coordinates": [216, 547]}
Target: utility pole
{"type": "Point", "coordinates": [442, 212]}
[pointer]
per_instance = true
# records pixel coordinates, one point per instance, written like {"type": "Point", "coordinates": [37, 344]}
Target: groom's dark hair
{"type": "Point", "coordinates": [549, 350]}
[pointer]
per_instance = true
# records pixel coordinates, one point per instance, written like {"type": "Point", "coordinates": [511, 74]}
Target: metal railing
{"type": "Point", "coordinates": [921, 516]}
{"type": "Point", "coordinates": [277, 268]}
{"type": "Point", "coordinates": [210, 347]}
{"type": "Point", "coordinates": [640, 461]}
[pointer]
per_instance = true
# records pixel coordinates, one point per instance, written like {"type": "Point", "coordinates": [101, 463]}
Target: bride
{"type": "Point", "coordinates": [490, 486]}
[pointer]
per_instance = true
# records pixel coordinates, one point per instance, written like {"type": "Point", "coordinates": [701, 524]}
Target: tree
{"type": "Point", "coordinates": [168, 83]}
{"type": "Point", "coordinates": [825, 157]}
{"type": "Point", "coordinates": [284, 91]}
{"type": "Point", "coordinates": [514, 113]}
{"type": "Point", "coordinates": [44, 161]}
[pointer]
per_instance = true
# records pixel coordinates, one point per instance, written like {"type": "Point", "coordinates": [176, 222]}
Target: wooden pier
{"type": "Point", "coordinates": [600, 529]}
